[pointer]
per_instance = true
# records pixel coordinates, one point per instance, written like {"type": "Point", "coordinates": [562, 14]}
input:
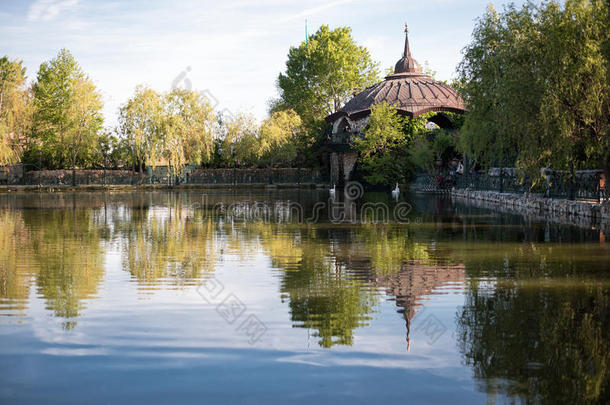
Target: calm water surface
{"type": "Point", "coordinates": [249, 297]}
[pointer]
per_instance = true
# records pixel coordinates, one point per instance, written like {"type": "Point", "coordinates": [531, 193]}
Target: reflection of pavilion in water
{"type": "Point", "coordinates": [410, 281]}
{"type": "Point", "coordinates": [415, 281]}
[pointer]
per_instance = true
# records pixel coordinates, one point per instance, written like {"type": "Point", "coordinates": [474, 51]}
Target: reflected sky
{"type": "Point", "coordinates": [101, 298]}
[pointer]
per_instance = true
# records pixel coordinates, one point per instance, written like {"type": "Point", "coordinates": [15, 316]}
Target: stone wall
{"type": "Point", "coordinates": [89, 177]}
{"type": "Point", "coordinates": [581, 213]}
{"type": "Point", "coordinates": [256, 176]}
{"type": "Point", "coordinates": [11, 174]}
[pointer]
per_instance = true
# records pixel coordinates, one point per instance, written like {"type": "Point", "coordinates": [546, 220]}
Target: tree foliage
{"type": "Point", "coordinates": [138, 119]}
{"type": "Point", "coordinates": [240, 139]}
{"type": "Point", "coordinates": [535, 80]}
{"type": "Point", "coordinates": [184, 129]}
{"type": "Point", "coordinates": [175, 128]}
{"type": "Point", "coordinates": [322, 74]}
{"type": "Point", "coordinates": [384, 148]}
{"type": "Point", "coordinates": [67, 113]}
{"type": "Point", "coordinates": [15, 110]}
{"type": "Point", "coordinates": [278, 138]}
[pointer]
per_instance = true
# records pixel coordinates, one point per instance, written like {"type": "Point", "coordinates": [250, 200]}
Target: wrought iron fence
{"type": "Point", "coordinates": [433, 183]}
{"type": "Point", "coordinates": [588, 185]}
{"type": "Point", "coordinates": [30, 175]}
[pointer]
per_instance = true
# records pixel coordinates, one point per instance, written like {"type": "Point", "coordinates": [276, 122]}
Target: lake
{"type": "Point", "coordinates": [270, 296]}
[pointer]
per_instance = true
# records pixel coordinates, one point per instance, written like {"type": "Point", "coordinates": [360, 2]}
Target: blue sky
{"type": "Point", "coordinates": [232, 49]}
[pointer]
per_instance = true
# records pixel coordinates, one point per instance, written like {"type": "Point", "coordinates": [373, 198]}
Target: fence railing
{"type": "Point", "coordinates": [433, 183]}
{"type": "Point", "coordinates": [30, 175]}
{"type": "Point", "coordinates": [587, 184]}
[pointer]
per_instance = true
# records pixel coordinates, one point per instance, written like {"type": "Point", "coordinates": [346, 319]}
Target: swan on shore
{"type": "Point", "coordinates": [396, 192]}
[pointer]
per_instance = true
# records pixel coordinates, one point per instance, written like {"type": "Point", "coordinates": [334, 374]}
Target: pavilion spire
{"type": "Point", "coordinates": [407, 64]}
{"type": "Point", "coordinates": [407, 52]}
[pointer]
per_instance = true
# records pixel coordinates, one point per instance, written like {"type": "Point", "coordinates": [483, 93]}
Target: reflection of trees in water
{"type": "Point", "coordinates": [60, 246]}
{"type": "Point", "coordinates": [14, 263]}
{"type": "Point", "coordinates": [171, 244]}
{"type": "Point", "coordinates": [323, 294]}
{"type": "Point", "coordinates": [69, 257]}
{"type": "Point", "coordinates": [539, 329]}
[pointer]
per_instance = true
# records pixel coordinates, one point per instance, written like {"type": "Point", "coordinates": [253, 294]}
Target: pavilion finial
{"type": "Point", "coordinates": [407, 64]}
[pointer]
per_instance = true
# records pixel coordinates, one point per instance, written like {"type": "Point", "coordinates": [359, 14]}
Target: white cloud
{"type": "Point", "coordinates": [46, 10]}
{"type": "Point", "coordinates": [315, 10]}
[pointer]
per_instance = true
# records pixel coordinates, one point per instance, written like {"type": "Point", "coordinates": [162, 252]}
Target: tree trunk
{"type": "Point", "coordinates": [74, 171]}
{"type": "Point", "coordinates": [169, 172]}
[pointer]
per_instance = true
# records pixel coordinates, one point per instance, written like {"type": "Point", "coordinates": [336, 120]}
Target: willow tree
{"type": "Point", "coordinates": [322, 73]}
{"type": "Point", "coordinates": [535, 80]}
{"type": "Point", "coordinates": [278, 137]}
{"type": "Point", "coordinates": [184, 130]}
{"type": "Point", "coordinates": [15, 110]}
{"type": "Point", "coordinates": [138, 119]}
{"type": "Point", "coordinates": [240, 140]}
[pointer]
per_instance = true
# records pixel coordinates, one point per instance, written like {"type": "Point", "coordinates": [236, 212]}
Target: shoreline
{"type": "Point", "coordinates": [588, 214]}
{"type": "Point", "coordinates": [150, 187]}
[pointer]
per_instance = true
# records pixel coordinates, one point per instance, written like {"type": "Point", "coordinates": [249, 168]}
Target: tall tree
{"type": "Point", "coordinates": [322, 74]}
{"type": "Point", "coordinates": [535, 80]}
{"type": "Point", "coordinates": [85, 121]}
{"type": "Point", "coordinates": [138, 119]}
{"type": "Point", "coordinates": [15, 110]}
{"type": "Point", "coordinates": [67, 112]}
{"type": "Point", "coordinates": [184, 130]}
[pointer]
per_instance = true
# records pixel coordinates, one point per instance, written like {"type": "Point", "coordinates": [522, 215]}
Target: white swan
{"type": "Point", "coordinates": [332, 191]}
{"type": "Point", "coordinates": [396, 192]}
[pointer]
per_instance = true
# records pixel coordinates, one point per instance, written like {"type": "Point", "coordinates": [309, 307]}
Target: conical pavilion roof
{"type": "Point", "coordinates": [408, 88]}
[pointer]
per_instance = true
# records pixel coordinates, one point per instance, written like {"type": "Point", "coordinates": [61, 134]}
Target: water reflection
{"type": "Point", "coordinates": [61, 250]}
{"type": "Point", "coordinates": [535, 318]}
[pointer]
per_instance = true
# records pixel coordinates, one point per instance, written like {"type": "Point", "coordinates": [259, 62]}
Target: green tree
{"type": "Point", "coordinates": [85, 122]}
{"type": "Point", "coordinates": [383, 148]}
{"type": "Point", "coordinates": [240, 140]}
{"type": "Point", "coordinates": [15, 110]}
{"type": "Point", "coordinates": [67, 115]}
{"type": "Point", "coordinates": [278, 138]}
{"type": "Point", "coordinates": [138, 121]}
{"type": "Point", "coordinates": [185, 130]}
{"type": "Point", "coordinates": [535, 80]}
{"type": "Point", "coordinates": [322, 74]}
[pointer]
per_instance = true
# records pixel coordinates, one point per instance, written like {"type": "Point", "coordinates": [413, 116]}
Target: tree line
{"type": "Point", "coordinates": [536, 80]}
{"type": "Point", "coordinates": [57, 123]}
